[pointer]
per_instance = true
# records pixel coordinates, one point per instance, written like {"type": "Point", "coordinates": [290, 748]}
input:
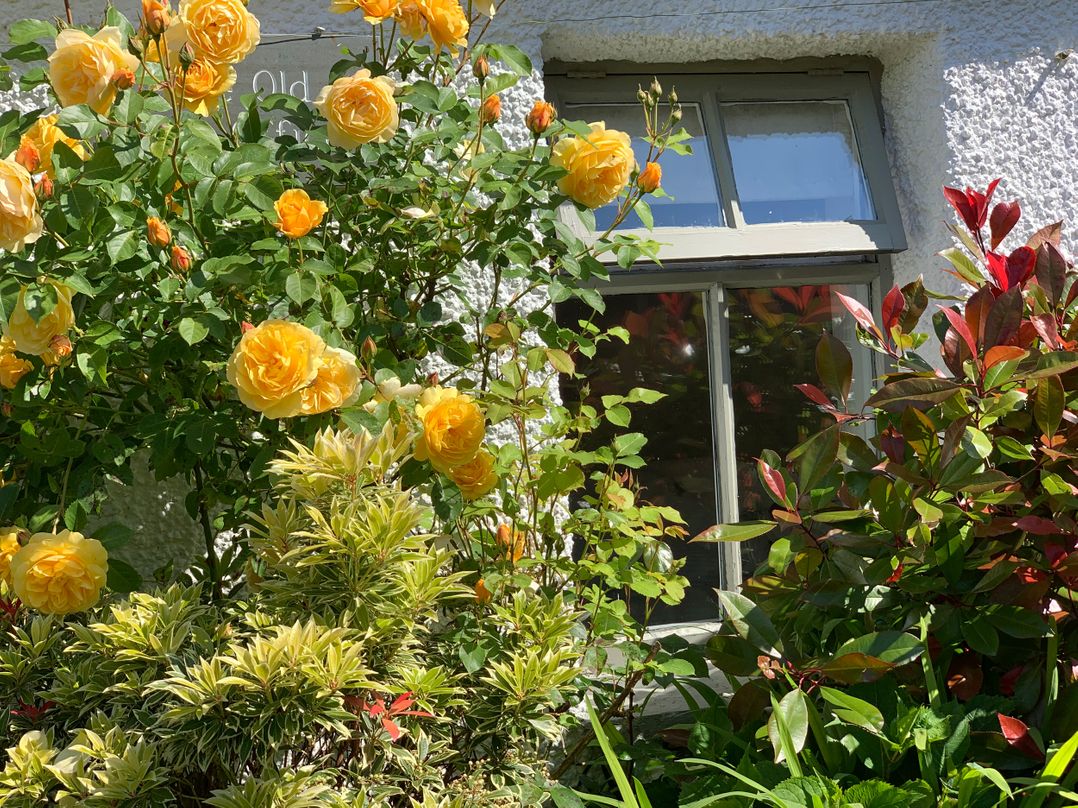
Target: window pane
{"type": "Point", "coordinates": [773, 337]}
{"type": "Point", "coordinates": [667, 351]}
{"type": "Point", "coordinates": [688, 179]}
{"type": "Point", "coordinates": [796, 162]}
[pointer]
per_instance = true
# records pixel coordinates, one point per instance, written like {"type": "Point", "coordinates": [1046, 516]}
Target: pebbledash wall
{"type": "Point", "coordinates": [970, 90]}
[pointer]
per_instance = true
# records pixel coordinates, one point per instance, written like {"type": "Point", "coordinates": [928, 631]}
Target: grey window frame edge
{"type": "Point", "coordinates": [855, 82]}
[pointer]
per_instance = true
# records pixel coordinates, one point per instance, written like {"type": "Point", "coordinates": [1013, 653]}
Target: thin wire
{"type": "Point", "coordinates": [662, 15]}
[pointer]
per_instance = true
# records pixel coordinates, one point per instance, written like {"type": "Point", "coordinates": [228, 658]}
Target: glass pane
{"type": "Point", "coordinates": [667, 351]}
{"type": "Point", "coordinates": [773, 337]}
{"type": "Point", "coordinates": [688, 179]}
{"type": "Point", "coordinates": [796, 161]}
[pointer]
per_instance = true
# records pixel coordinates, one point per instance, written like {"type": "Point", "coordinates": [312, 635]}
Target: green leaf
{"type": "Point", "coordinates": [788, 726]}
{"type": "Point", "coordinates": [742, 531]}
{"type": "Point", "coordinates": [981, 635]}
{"type": "Point", "coordinates": [1014, 621]}
{"type": "Point", "coordinates": [854, 711]}
{"type": "Point", "coordinates": [855, 668]}
{"type": "Point", "coordinates": [122, 246]}
{"type": "Point", "coordinates": [24, 31]}
{"type": "Point", "coordinates": [896, 647]}
{"type": "Point", "coordinates": [816, 457]}
{"type": "Point", "coordinates": [192, 330]}
{"type": "Point", "coordinates": [1048, 404]}
{"type": "Point", "coordinates": [122, 577]}
{"type": "Point", "coordinates": [750, 622]}
{"type": "Point", "coordinates": [834, 366]}
{"type": "Point", "coordinates": [113, 536]}
{"type": "Point", "coordinates": [734, 656]}
{"type": "Point", "coordinates": [963, 265]}
{"type": "Point", "coordinates": [301, 287]}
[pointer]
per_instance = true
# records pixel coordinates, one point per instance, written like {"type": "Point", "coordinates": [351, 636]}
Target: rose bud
{"type": "Point", "coordinates": [43, 187]}
{"type": "Point", "coordinates": [28, 156]}
{"type": "Point", "coordinates": [491, 110]}
{"type": "Point", "coordinates": [60, 345]}
{"type": "Point", "coordinates": [155, 17]}
{"type": "Point", "coordinates": [650, 178]}
{"type": "Point", "coordinates": [180, 261]}
{"type": "Point", "coordinates": [124, 79]}
{"type": "Point", "coordinates": [368, 349]}
{"type": "Point", "coordinates": [245, 327]}
{"type": "Point", "coordinates": [157, 232]}
{"type": "Point", "coordinates": [541, 117]}
{"type": "Point", "coordinates": [481, 68]}
{"type": "Point", "coordinates": [6, 409]}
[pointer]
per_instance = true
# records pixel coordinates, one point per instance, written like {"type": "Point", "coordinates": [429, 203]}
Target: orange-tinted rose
{"type": "Point", "coordinates": [410, 19]}
{"type": "Point", "coordinates": [43, 136]}
{"type": "Point", "coordinates": [491, 111]}
{"type": "Point", "coordinates": [447, 24]}
{"type": "Point", "coordinates": [12, 366]}
{"type": "Point", "coordinates": [512, 542]}
{"type": "Point", "coordinates": [453, 428]}
{"type": "Point", "coordinates": [180, 259]}
{"type": "Point", "coordinates": [157, 232]}
{"type": "Point", "coordinates": [476, 478]}
{"type": "Point", "coordinates": [297, 213]}
{"type": "Point", "coordinates": [650, 178]}
{"type": "Point", "coordinates": [598, 168]}
{"type": "Point", "coordinates": [482, 594]}
{"type": "Point", "coordinates": [155, 16]}
{"type": "Point", "coordinates": [541, 116]}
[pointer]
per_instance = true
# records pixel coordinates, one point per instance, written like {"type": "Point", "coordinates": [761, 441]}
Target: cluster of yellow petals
{"type": "Point", "coordinates": [9, 545]}
{"type": "Point", "coordinates": [203, 84]}
{"type": "Point", "coordinates": [12, 366]}
{"type": "Point", "coordinates": [283, 369]}
{"type": "Point", "coordinates": [35, 337]}
{"type": "Point", "coordinates": [43, 136]}
{"type": "Point", "coordinates": [476, 478]}
{"type": "Point", "coordinates": [223, 32]}
{"type": "Point", "coordinates": [297, 213]}
{"type": "Point", "coordinates": [20, 220]}
{"type": "Point", "coordinates": [59, 573]}
{"type": "Point", "coordinates": [445, 20]}
{"type": "Point", "coordinates": [359, 109]}
{"type": "Point", "coordinates": [453, 428]}
{"type": "Point", "coordinates": [597, 167]}
{"type": "Point", "coordinates": [374, 11]}
{"type": "Point", "coordinates": [82, 68]}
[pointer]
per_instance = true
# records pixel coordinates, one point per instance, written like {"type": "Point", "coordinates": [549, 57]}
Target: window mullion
{"type": "Point", "coordinates": [720, 156]}
{"type": "Point", "coordinates": [724, 433]}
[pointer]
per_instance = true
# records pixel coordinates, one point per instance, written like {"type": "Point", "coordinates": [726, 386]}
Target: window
{"type": "Point", "coordinates": [785, 200]}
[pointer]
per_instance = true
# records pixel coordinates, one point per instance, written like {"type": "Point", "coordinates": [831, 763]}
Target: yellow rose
{"type": "Point", "coordinates": [221, 31]}
{"type": "Point", "coordinates": [203, 85]}
{"type": "Point", "coordinates": [273, 364]}
{"type": "Point", "coordinates": [476, 478]}
{"type": "Point", "coordinates": [44, 135]}
{"type": "Point", "coordinates": [61, 573]}
{"type": "Point", "coordinates": [335, 386]}
{"type": "Point", "coordinates": [82, 67]}
{"type": "Point", "coordinates": [9, 545]}
{"type": "Point", "coordinates": [34, 338]}
{"type": "Point", "coordinates": [359, 109]}
{"type": "Point", "coordinates": [598, 168]}
{"type": "Point", "coordinates": [297, 213]}
{"type": "Point", "coordinates": [20, 222]}
{"type": "Point", "coordinates": [447, 24]}
{"type": "Point", "coordinates": [410, 19]}
{"type": "Point", "coordinates": [374, 11]}
{"type": "Point", "coordinates": [453, 428]}
{"type": "Point", "coordinates": [12, 367]}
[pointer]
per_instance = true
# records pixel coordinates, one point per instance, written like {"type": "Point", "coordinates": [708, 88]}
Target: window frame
{"type": "Point", "coordinates": [617, 84]}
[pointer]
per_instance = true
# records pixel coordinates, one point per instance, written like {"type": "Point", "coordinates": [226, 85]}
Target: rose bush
{"type": "Point", "coordinates": [185, 285]}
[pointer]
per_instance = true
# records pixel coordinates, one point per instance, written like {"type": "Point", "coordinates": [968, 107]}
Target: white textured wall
{"type": "Point", "coordinates": [972, 89]}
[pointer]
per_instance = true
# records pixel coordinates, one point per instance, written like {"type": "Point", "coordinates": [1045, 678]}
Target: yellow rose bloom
{"type": "Point", "coordinates": [447, 24]}
{"type": "Point", "coordinates": [12, 367]}
{"type": "Point", "coordinates": [34, 338]}
{"type": "Point", "coordinates": [9, 545]}
{"type": "Point", "coordinates": [297, 213]}
{"type": "Point", "coordinates": [221, 31]}
{"type": "Point", "coordinates": [203, 85]}
{"type": "Point", "coordinates": [59, 573]}
{"type": "Point", "coordinates": [410, 19]}
{"type": "Point", "coordinates": [44, 135]}
{"type": "Point", "coordinates": [273, 364]}
{"type": "Point", "coordinates": [359, 109]}
{"type": "Point", "coordinates": [374, 11]}
{"type": "Point", "coordinates": [598, 168]}
{"type": "Point", "coordinates": [82, 67]}
{"type": "Point", "coordinates": [20, 221]}
{"type": "Point", "coordinates": [335, 386]}
{"type": "Point", "coordinates": [476, 478]}
{"type": "Point", "coordinates": [453, 428]}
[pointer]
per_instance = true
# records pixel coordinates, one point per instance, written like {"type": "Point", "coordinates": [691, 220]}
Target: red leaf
{"type": "Point", "coordinates": [391, 727]}
{"type": "Point", "coordinates": [959, 325]}
{"type": "Point", "coordinates": [997, 266]}
{"type": "Point", "coordinates": [815, 395]}
{"type": "Point", "coordinates": [893, 306]}
{"type": "Point", "coordinates": [1049, 234]}
{"type": "Point", "coordinates": [1020, 265]}
{"type": "Point", "coordinates": [1004, 217]}
{"type": "Point", "coordinates": [860, 313]}
{"type": "Point", "coordinates": [774, 481]}
{"type": "Point", "coordinates": [1002, 353]}
{"type": "Point", "coordinates": [1016, 733]}
{"type": "Point", "coordinates": [961, 203]}
{"type": "Point", "coordinates": [965, 677]}
{"type": "Point", "coordinates": [1038, 526]}
{"type": "Point", "coordinates": [1047, 330]}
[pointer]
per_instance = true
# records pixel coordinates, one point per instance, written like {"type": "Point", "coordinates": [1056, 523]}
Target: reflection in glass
{"type": "Point", "coordinates": [796, 161]}
{"type": "Point", "coordinates": [773, 337]}
{"type": "Point", "coordinates": [668, 352]}
{"type": "Point", "coordinates": [688, 179]}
